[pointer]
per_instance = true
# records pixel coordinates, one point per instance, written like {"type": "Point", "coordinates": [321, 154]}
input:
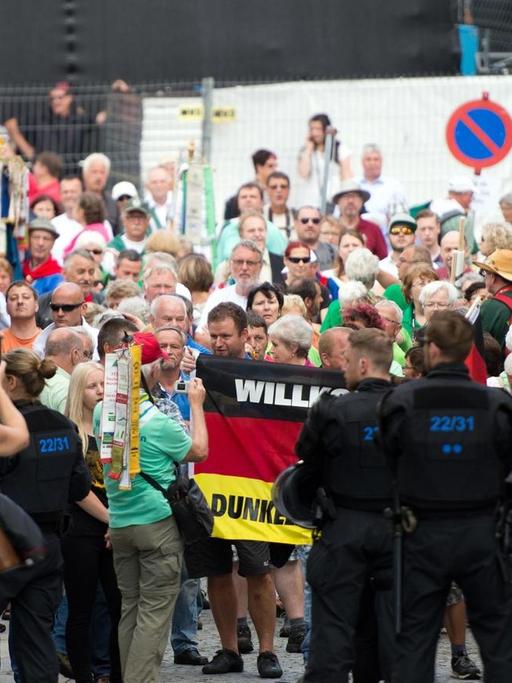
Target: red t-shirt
{"type": "Point", "coordinates": [374, 238]}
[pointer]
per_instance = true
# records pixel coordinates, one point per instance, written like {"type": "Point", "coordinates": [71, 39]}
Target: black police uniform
{"type": "Point", "coordinates": [338, 446]}
{"type": "Point", "coordinates": [449, 441]}
{"type": "Point", "coordinates": [42, 479]}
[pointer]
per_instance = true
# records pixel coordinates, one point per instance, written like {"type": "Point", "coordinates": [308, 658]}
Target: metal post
{"type": "Point", "coordinates": [328, 154]}
{"type": "Point", "coordinates": [207, 128]}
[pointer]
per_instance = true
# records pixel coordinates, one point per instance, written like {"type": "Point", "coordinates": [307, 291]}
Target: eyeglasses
{"type": "Point", "coordinates": [305, 221]}
{"type": "Point", "coordinates": [392, 322]}
{"type": "Point", "coordinates": [65, 308]}
{"type": "Point", "coordinates": [243, 261]}
{"type": "Point", "coordinates": [299, 259]}
{"type": "Point", "coordinates": [401, 230]}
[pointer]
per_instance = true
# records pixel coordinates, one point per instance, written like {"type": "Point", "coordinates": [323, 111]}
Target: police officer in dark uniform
{"type": "Point", "coordinates": [449, 443]}
{"type": "Point", "coordinates": [338, 446]}
{"type": "Point", "coordinates": [41, 479]}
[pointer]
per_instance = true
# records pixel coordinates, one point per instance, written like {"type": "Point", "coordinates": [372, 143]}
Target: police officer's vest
{"type": "Point", "coordinates": [449, 460]}
{"type": "Point", "coordinates": [38, 478]}
{"type": "Point", "coordinates": [356, 475]}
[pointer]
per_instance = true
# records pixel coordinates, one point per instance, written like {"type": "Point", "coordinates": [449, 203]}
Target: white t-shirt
{"type": "Point", "coordinates": [218, 296]}
{"type": "Point", "coordinates": [309, 189]}
{"type": "Point", "coordinates": [68, 229]}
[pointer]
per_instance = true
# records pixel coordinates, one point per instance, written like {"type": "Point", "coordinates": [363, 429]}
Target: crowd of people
{"type": "Point", "coordinates": [289, 285]}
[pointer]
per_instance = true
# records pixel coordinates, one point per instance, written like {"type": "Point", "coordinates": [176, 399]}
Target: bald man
{"type": "Point", "coordinates": [331, 348]}
{"type": "Point", "coordinates": [65, 348]}
{"type": "Point", "coordinates": [67, 307]}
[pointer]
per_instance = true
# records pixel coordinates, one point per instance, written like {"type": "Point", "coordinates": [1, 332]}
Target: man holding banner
{"type": "Point", "coordinates": [254, 412]}
{"type": "Point", "coordinates": [227, 326]}
{"type": "Point", "coordinates": [339, 449]}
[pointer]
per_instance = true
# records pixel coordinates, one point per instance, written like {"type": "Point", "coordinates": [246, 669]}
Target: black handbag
{"type": "Point", "coordinates": [188, 504]}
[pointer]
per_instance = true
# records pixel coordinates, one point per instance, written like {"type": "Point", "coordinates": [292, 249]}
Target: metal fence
{"type": "Point", "coordinates": [85, 119]}
{"type": "Point", "coordinates": [494, 21]}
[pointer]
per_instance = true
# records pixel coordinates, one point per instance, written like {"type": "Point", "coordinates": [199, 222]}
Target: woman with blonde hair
{"type": "Point", "coordinates": [87, 558]}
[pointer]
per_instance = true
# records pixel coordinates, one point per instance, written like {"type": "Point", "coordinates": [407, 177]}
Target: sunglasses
{"type": "Point", "coordinates": [96, 252]}
{"type": "Point", "coordinates": [305, 221]}
{"type": "Point", "coordinates": [278, 187]}
{"type": "Point", "coordinates": [65, 308]}
{"type": "Point", "coordinates": [401, 230]}
{"type": "Point", "coordinates": [241, 261]}
{"type": "Point", "coordinates": [299, 259]}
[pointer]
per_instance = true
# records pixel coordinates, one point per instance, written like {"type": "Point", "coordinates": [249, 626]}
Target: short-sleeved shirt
{"type": "Point", "coordinates": [55, 393]}
{"type": "Point", "coordinates": [162, 442]}
{"type": "Point", "coordinates": [10, 341]}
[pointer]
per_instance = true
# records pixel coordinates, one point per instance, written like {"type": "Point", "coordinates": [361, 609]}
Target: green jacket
{"type": "Point", "coordinates": [496, 316]}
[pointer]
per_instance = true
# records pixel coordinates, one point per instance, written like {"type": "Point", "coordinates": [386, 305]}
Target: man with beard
{"type": "Point", "coordinates": [172, 341]}
{"type": "Point", "coordinates": [401, 234]}
{"type": "Point", "coordinates": [245, 267]}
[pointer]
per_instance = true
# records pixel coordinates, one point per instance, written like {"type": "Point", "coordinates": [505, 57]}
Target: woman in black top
{"type": "Point", "coordinates": [87, 553]}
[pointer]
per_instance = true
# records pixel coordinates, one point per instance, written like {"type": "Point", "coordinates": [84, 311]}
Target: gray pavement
{"type": "Point", "coordinates": [208, 644]}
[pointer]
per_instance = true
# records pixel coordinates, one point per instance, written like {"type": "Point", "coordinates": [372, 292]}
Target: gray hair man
{"type": "Point", "coordinates": [245, 266]}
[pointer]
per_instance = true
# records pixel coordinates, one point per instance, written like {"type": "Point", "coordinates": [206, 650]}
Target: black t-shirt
{"type": "Point", "coordinates": [81, 522]}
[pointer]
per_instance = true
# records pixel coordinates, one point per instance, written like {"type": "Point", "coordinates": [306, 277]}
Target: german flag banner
{"type": "Point", "coordinates": [254, 413]}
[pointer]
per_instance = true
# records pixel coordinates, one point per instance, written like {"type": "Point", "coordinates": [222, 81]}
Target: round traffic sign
{"type": "Point", "coordinates": [479, 133]}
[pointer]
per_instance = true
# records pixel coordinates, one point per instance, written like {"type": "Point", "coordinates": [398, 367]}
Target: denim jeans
{"type": "Point", "coordinates": [186, 612]}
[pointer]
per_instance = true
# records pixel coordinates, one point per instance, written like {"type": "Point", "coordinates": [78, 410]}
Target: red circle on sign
{"type": "Point", "coordinates": [461, 113]}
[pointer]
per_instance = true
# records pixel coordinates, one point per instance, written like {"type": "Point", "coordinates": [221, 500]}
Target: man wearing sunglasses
{"type": "Point", "coordinates": [67, 307]}
{"type": "Point", "coordinates": [307, 227]}
{"type": "Point", "coordinates": [401, 234]}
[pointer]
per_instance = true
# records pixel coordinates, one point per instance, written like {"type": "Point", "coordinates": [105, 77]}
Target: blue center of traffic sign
{"type": "Point", "coordinates": [479, 133]}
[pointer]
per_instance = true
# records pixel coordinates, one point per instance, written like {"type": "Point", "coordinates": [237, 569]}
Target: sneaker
{"type": "Point", "coordinates": [268, 665]}
{"type": "Point", "coordinates": [295, 639]}
{"type": "Point", "coordinates": [465, 669]}
{"type": "Point", "coordinates": [244, 639]}
{"type": "Point", "coordinates": [224, 662]}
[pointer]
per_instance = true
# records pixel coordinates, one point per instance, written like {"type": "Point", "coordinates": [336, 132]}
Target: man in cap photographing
{"type": "Point", "coordinates": [497, 312]}
{"type": "Point", "coordinates": [147, 545]}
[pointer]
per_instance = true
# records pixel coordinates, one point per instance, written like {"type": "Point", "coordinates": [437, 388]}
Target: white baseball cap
{"type": "Point", "coordinates": [124, 188]}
